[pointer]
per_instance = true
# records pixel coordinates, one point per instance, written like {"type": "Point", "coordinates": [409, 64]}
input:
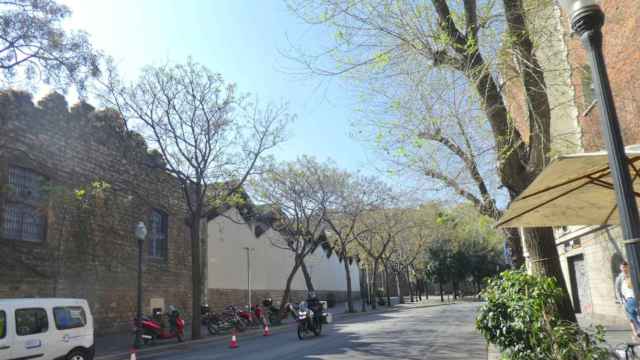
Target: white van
{"type": "Point", "coordinates": [47, 329]}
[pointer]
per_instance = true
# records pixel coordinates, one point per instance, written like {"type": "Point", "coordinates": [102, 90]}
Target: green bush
{"type": "Point", "coordinates": [520, 319]}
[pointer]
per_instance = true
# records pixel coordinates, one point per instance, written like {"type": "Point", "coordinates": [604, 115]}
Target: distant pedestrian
{"type": "Point", "coordinates": [625, 295]}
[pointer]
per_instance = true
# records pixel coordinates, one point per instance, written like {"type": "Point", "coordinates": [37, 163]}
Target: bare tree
{"type": "Point", "coordinates": [299, 198]}
{"type": "Point", "coordinates": [35, 47]}
{"type": "Point", "coordinates": [376, 40]}
{"type": "Point", "coordinates": [210, 138]}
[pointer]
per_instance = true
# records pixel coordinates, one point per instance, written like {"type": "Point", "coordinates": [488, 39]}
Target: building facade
{"type": "Point", "coordinates": [590, 255]}
{"type": "Point", "coordinates": [236, 249]}
{"type": "Point", "coordinates": [73, 183]}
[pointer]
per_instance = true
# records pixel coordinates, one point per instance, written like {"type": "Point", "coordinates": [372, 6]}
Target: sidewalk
{"type": "Point", "coordinates": [117, 346]}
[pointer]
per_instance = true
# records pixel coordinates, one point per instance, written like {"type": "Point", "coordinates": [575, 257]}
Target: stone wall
{"type": "Point", "coordinates": [89, 250]}
{"type": "Point", "coordinates": [219, 298]}
{"type": "Point", "coordinates": [603, 252]}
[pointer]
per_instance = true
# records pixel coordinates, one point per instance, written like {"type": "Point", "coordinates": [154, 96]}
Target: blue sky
{"type": "Point", "coordinates": [242, 40]}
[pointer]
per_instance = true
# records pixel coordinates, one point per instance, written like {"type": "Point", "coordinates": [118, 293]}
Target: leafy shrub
{"type": "Point", "coordinates": [520, 319]}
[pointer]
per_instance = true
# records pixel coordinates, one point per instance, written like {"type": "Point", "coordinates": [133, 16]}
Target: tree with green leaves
{"type": "Point", "coordinates": [378, 39]}
{"type": "Point", "coordinates": [34, 46]}
{"type": "Point", "coordinates": [210, 138]}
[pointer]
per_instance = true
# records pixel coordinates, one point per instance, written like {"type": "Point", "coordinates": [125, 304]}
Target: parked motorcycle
{"type": "Point", "coordinates": [308, 320]}
{"type": "Point", "coordinates": [210, 320]}
{"type": "Point", "coordinates": [157, 328]}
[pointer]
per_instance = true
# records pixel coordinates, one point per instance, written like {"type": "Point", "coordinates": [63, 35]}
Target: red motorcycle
{"type": "Point", "coordinates": [157, 328]}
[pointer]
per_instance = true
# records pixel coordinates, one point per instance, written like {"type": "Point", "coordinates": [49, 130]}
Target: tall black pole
{"type": "Point", "coordinates": [138, 339]}
{"type": "Point", "coordinates": [587, 22]}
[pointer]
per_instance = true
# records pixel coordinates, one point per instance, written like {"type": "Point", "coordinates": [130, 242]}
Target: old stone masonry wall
{"type": "Point", "coordinates": [73, 235]}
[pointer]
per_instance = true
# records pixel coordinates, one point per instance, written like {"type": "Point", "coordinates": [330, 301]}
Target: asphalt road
{"type": "Point", "coordinates": [438, 332]}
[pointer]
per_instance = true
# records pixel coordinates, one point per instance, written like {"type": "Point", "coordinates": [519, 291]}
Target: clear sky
{"type": "Point", "coordinates": [242, 40]}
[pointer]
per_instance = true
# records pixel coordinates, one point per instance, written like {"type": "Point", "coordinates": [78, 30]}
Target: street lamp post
{"type": "Point", "coordinates": [587, 19]}
{"type": "Point", "coordinates": [140, 233]}
{"type": "Point", "coordinates": [249, 250]}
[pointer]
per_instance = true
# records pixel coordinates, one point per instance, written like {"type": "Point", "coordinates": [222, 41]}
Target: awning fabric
{"type": "Point", "coordinates": [573, 190]}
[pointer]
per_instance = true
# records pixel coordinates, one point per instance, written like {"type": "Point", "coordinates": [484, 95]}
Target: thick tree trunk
{"type": "Point", "coordinates": [541, 245]}
{"type": "Point", "coordinates": [387, 289]}
{"type": "Point", "coordinates": [374, 292]}
{"type": "Point", "coordinates": [514, 242]}
{"type": "Point", "coordinates": [425, 287]}
{"type": "Point", "coordinates": [196, 274]}
{"type": "Point", "coordinates": [287, 289]}
{"type": "Point", "coordinates": [364, 288]}
{"type": "Point", "coordinates": [399, 288]}
{"type": "Point", "coordinates": [454, 284]}
{"type": "Point", "coordinates": [408, 275]}
{"type": "Point", "coordinates": [307, 277]}
{"type": "Point", "coordinates": [347, 273]}
{"type": "Point", "coordinates": [441, 291]}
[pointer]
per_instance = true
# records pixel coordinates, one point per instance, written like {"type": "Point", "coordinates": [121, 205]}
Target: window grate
{"type": "Point", "coordinates": [23, 222]}
{"type": "Point", "coordinates": [22, 219]}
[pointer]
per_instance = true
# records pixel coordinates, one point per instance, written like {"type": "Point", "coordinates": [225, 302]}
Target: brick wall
{"type": "Point", "coordinates": [622, 55]}
{"type": "Point", "coordinates": [89, 250]}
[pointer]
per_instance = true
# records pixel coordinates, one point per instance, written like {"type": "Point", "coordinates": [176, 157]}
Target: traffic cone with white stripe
{"type": "Point", "coordinates": [267, 332]}
{"type": "Point", "coordinates": [234, 341]}
{"type": "Point", "coordinates": [132, 355]}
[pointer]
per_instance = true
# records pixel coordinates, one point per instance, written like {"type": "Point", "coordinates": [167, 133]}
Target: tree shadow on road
{"type": "Point", "coordinates": [378, 336]}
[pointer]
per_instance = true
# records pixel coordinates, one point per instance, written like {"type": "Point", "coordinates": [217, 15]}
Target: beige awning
{"type": "Point", "coordinates": [573, 190]}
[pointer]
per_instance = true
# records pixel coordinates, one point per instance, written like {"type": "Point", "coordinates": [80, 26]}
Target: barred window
{"type": "Point", "coordinates": [158, 234]}
{"type": "Point", "coordinates": [23, 222]}
{"type": "Point", "coordinates": [26, 184]}
{"type": "Point", "coordinates": [22, 219]}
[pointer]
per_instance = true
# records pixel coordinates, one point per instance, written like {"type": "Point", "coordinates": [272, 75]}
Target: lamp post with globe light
{"type": "Point", "coordinates": [587, 19]}
{"type": "Point", "coordinates": [140, 232]}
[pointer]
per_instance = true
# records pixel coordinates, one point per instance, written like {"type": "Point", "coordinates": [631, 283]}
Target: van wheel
{"type": "Point", "coordinates": [77, 355]}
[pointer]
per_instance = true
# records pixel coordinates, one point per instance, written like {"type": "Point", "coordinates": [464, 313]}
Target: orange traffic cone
{"type": "Point", "coordinates": [266, 330]}
{"type": "Point", "coordinates": [132, 355]}
{"type": "Point", "coordinates": [234, 342]}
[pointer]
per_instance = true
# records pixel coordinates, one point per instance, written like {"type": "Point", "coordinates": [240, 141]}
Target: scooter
{"type": "Point", "coordinates": [156, 328]}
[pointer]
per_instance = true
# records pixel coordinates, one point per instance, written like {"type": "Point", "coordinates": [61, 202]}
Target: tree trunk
{"type": "Point", "coordinates": [196, 273]}
{"type": "Point", "coordinates": [425, 287]}
{"type": "Point", "coordinates": [399, 288]}
{"type": "Point", "coordinates": [374, 292]}
{"type": "Point", "coordinates": [307, 277]}
{"type": "Point", "coordinates": [287, 289]}
{"type": "Point", "coordinates": [347, 273]}
{"type": "Point", "coordinates": [364, 288]}
{"type": "Point", "coordinates": [409, 284]}
{"type": "Point", "coordinates": [441, 291]}
{"type": "Point", "coordinates": [543, 252]}
{"type": "Point", "coordinates": [514, 242]}
{"type": "Point", "coordinates": [454, 285]}
{"type": "Point", "coordinates": [387, 290]}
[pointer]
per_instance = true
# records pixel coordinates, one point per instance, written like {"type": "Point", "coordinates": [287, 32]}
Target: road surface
{"type": "Point", "coordinates": [436, 332]}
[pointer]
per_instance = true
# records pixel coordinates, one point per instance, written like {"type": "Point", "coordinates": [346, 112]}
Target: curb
{"type": "Point", "coordinates": [253, 333]}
